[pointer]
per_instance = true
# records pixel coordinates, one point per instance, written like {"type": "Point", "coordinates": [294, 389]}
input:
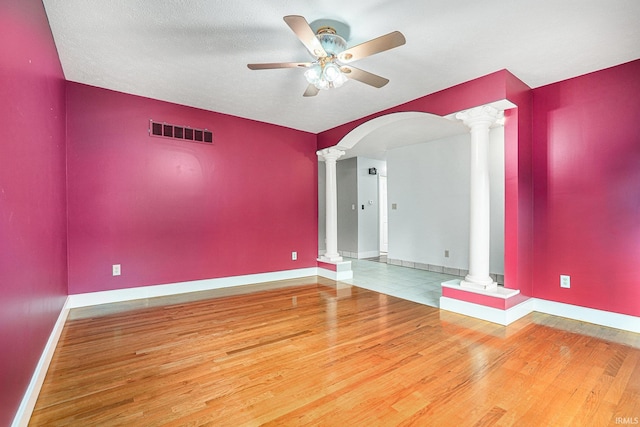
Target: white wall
{"type": "Point", "coordinates": [369, 217]}
{"type": "Point", "coordinates": [429, 183]}
{"type": "Point", "coordinates": [347, 182]}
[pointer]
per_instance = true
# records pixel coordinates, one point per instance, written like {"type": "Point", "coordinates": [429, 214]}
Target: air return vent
{"type": "Point", "coordinates": [167, 130]}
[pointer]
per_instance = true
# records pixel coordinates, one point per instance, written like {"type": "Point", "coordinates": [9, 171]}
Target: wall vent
{"type": "Point", "coordinates": [166, 130]}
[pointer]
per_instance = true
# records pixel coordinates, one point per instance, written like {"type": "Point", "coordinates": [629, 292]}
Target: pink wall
{"type": "Point", "coordinates": [172, 211]}
{"type": "Point", "coordinates": [587, 189]}
{"type": "Point", "coordinates": [518, 177]}
{"type": "Point", "coordinates": [483, 90]}
{"type": "Point", "coordinates": [33, 260]}
{"type": "Point", "coordinates": [518, 222]}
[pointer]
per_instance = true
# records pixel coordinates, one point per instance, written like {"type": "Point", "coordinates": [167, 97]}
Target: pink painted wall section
{"type": "Point", "coordinates": [518, 187]}
{"type": "Point", "coordinates": [474, 298]}
{"type": "Point", "coordinates": [171, 211]}
{"type": "Point", "coordinates": [586, 162]}
{"type": "Point", "coordinates": [482, 90]}
{"type": "Point", "coordinates": [33, 257]}
{"type": "Point", "coordinates": [485, 300]}
{"type": "Point", "coordinates": [327, 266]}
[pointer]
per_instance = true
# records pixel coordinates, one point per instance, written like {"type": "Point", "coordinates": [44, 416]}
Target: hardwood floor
{"type": "Point", "coordinates": [315, 354]}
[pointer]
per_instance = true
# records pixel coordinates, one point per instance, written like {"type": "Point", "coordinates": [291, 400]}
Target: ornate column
{"type": "Point", "coordinates": [330, 156]}
{"type": "Point", "coordinates": [479, 120]}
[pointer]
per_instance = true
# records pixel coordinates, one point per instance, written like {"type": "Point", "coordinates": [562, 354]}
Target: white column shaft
{"type": "Point", "coordinates": [330, 156]}
{"type": "Point", "coordinates": [480, 213]}
{"type": "Point", "coordinates": [479, 120]}
{"type": "Point", "coordinates": [332, 210]}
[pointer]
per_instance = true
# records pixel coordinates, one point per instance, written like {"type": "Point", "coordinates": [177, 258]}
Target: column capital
{"type": "Point", "coordinates": [329, 154]}
{"type": "Point", "coordinates": [484, 115]}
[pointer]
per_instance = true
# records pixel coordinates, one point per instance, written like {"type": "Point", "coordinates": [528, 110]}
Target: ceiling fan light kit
{"type": "Point", "coordinates": [329, 70]}
{"type": "Point", "coordinates": [325, 73]}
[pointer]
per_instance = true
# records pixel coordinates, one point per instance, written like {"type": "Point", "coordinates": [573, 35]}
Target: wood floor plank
{"type": "Point", "coordinates": [312, 354]}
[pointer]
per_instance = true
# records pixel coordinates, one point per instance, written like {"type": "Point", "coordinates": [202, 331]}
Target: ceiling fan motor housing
{"type": "Point", "coordinates": [332, 43]}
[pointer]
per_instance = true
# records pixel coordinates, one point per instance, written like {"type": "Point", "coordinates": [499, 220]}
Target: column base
{"type": "Point", "coordinates": [486, 284]}
{"type": "Point", "coordinates": [331, 258]}
{"type": "Point", "coordinates": [502, 306]}
{"type": "Point", "coordinates": [340, 270]}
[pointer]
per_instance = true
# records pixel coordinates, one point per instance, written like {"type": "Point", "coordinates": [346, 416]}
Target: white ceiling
{"type": "Point", "coordinates": [194, 52]}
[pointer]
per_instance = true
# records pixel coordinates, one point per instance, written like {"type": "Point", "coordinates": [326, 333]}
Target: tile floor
{"type": "Point", "coordinates": [407, 283]}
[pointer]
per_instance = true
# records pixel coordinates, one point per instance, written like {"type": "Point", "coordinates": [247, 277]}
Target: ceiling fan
{"type": "Point", "coordinates": [331, 67]}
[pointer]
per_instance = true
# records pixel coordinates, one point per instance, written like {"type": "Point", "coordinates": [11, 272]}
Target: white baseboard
{"type": "Point", "coordinates": [335, 275]}
{"type": "Point", "coordinates": [490, 314]}
{"type": "Point", "coordinates": [33, 390]}
{"type": "Point", "coordinates": [368, 254]}
{"type": "Point", "coordinates": [569, 311]}
{"type": "Point", "coordinates": [119, 295]}
{"type": "Point", "coordinates": [590, 315]}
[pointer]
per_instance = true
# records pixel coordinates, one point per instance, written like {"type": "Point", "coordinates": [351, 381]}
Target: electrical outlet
{"type": "Point", "coordinates": [446, 253]}
{"type": "Point", "coordinates": [565, 281]}
{"type": "Point", "coordinates": [115, 269]}
{"type": "Point", "coordinates": [294, 256]}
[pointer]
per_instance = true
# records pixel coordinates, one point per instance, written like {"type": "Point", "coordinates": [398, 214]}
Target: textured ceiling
{"type": "Point", "coordinates": [195, 52]}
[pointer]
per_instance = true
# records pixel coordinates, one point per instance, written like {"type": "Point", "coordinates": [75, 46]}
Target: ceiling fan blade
{"type": "Point", "coordinates": [273, 65]}
{"type": "Point", "coordinates": [301, 28]}
{"type": "Point", "coordinates": [377, 45]}
{"type": "Point", "coordinates": [311, 91]}
{"type": "Point", "coordinates": [364, 76]}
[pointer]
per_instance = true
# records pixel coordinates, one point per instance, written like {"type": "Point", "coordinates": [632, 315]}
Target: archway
{"type": "Point", "coordinates": [394, 133]}
{"type": "Point", "coordinates": [396, 130]}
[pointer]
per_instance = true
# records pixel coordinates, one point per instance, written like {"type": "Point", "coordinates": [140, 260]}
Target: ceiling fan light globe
{"type": "Point", "coordinates": [322, 84]}
{"type": "Point", "coordinates": [342, 79]}
{"type": "Point", "coordinates": [313, 74]}
{"type": "Point", "coordinates": [331, 72]}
